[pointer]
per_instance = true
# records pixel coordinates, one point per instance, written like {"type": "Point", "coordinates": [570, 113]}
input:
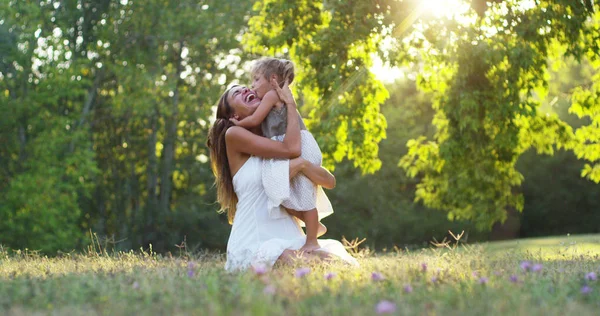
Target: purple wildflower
{"type": "Point", "coordinates": [483, 280]}
{"type": "Point", "coordinates": [259, 269]}
{"type": "Point", "coordinates": [434, 279]}
{"type": "Point", "coordinates": [525, 265]}
{"type": "Point", "coordinates": [424, 267]}
{"type": "Point", "coordinates": [475, 274]}
{"type": "Point", "coordinates": [408, 288]}
{"type": "Point", "coordinates": [586, 290]}
{"type": "Point", "coordinates": [302, 272]}
{"type": "Point", "coordinates": [376, 276]}
{"type": "Point", "coordinates": [330, 275]}
{"type": "Point", "coordinates": [537, 267]}
{"type": "Point", "coordinates": [385, 307]}
{"type": "Point", "coordinates": [191, 266]}
{"type": "Point", "coordinates": [269, 289]}
{"type": "Point", "coordinates": [591, 276]}
{"type": "Point", "coordinates": [514, 279]}
{"type": "Point", "coordinates": [135, 285]}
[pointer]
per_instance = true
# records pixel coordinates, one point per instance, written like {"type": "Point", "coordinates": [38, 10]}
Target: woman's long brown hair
{"type": "Point", "coordinates": [218, 158]}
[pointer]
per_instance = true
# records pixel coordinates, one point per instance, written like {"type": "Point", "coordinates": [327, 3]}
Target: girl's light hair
{"type": "Point", "coordinates": [268, 66]}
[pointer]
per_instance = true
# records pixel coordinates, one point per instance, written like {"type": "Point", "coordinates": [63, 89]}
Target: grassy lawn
{"type": "Point", "coordinates": [550, 276]}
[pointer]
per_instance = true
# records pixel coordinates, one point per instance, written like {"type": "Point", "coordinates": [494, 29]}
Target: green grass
{"type": "Point", "coordinates": [133, 283]}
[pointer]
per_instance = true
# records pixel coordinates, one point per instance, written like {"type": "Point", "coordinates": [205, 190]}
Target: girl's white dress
{"type": "Point", "coordinates": [298, 193]}
{"type": "Point", "coordinates": [257, 238]}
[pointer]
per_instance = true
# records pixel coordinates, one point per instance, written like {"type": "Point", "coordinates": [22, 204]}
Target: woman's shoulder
{"type": "Point", "coordinates": [238, 135]}
{"type": "Point", "coordinates": [235, 132]}
{"type": "Point", "coordinates": [235, 139]}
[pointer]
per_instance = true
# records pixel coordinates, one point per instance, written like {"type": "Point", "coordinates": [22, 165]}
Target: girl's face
{"type": "Point", "coordinates": [261, 85]}
{"type": "Point", "coordinates": [243, 101]}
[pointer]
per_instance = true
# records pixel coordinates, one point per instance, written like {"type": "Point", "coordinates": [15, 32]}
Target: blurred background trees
{"type": "Point", "coordinates": [485, 113]}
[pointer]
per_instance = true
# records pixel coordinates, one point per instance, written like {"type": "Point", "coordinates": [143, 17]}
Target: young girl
{"type": "Point", "coordinates": [302, 198]}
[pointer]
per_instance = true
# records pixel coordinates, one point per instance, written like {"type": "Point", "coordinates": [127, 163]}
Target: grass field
{"type": "Point", "coordinates": [549, 276]}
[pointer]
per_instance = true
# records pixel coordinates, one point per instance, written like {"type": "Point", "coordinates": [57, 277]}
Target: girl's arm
{"type": "Point", "coordinates": [249, 143]}
{"type": "Point", "coordinates": [266, 104]}
{"type": "Point", "coordinates": [317, 174]}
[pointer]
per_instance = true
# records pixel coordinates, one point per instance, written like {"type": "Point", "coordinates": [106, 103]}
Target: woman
{"type": "Point", "coordinates": [236, 153]}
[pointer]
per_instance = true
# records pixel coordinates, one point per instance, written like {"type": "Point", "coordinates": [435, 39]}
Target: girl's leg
{"type": "Point", "coordinates": [311, 219]}
{"type": "Point", "coordinates": [321, 229]}
{"type": "Point", "coordinates": [317, 174]}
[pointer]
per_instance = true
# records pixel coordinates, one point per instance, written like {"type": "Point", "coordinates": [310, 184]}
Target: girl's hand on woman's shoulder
{"type": "Point", "coordinates": [285, 93]}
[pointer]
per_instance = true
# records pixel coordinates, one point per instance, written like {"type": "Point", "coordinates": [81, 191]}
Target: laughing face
{"type": "Point", "coordinates": [243, 101]}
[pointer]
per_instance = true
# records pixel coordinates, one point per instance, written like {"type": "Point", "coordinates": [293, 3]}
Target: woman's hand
{"type": "Point", "coordinates": [285, 94]}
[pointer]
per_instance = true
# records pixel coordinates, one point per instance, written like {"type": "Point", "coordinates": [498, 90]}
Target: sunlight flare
{"type": "Point", "coordinates": [444, 8]}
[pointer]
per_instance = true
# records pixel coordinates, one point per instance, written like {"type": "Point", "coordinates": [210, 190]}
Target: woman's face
{"type": "Point", "coordinates": [243, 101]}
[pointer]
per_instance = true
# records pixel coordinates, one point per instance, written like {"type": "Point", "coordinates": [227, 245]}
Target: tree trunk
{"type": "Point", "coordinates": [136, 198]}
{"type": "Point", "coordinates": [87, 106]}
{"type": "Point", "coordinates": [22, 142]}
{"type": "Point", "coordinates": [511, 227]}
{"type": "Point", "coordinates": [125, 214]}
{"type": "Point", "coordinates": [152, 175]}
{"type": "Point", "coordinates": [168, 157]}
{"type": "Point", "coordinates": [100, 200]}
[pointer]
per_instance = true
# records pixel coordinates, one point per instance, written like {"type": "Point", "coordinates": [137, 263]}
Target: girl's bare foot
{"type": "Point", "coordinates": [310, 246]}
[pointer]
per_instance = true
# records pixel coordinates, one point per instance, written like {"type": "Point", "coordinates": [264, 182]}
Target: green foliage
{"type": "Point", "coordinates": [558, 201]}
{"type": "Point", "coordinates": [486, 99]}
{"type": "Point", "coordinates": [44, 175]}
{"type": "Point", "coordinates": [153, 118]}
{"type": "Point", "coordinates": [379, 207]}
{"type": "Point", "coordinates": [586, 103]}
{"type": "Point", "coordinates": [331, 43]}
{"type": "Point", "coordinates": [106, 105]}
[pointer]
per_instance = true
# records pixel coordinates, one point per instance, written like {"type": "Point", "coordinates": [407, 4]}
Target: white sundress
{"type": "Point", "coordinates": [257, 238]}
{"type": "Point", "coordinates": [299, 193]}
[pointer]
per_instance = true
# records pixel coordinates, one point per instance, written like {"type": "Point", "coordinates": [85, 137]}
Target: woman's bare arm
{"type": "Point", "coordinates": [249, 143]}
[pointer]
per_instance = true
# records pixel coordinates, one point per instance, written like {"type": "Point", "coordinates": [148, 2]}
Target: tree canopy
{"type": "Point", "coordinates": [106, 105]}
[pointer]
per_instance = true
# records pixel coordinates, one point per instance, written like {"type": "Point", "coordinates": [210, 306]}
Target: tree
{"type": "Point", "coordinates": [379, 206]}
{"type": "Point", "coordinates": [586, 104]}
{"type": "Point", "coordinates": [167, 68]}
{"type": "Point", "coordinates": [44, 90]}
{"type": "Point", "coordinates": [331, 43]}
{"type": "Point", "coordinates": [109, 104]}
{"type": "Point", "coordinates": [486, 104]}
{"type": "Point", "coordinates": [487, 72]}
